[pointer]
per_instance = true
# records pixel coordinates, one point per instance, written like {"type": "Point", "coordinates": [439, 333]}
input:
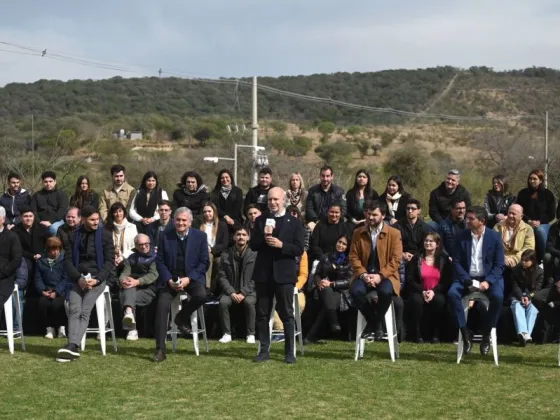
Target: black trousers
{"type": "Point", "coordinates": [6, 291]}
{"type": "Point", "coordinates": [197, 297]}
{"type": "Point", "coordinates": [436, 307]}
{"type": "Point", "coordinates": [542, 298]}
{"type": "Point", "coordinates": [284, 293]}
{"type": "Point", "coordinates": [52, 311]}
{"type": "Point", "coordinates": [330, 303]}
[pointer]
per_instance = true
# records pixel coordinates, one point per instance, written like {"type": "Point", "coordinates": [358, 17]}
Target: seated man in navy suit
{"type": "Point", "coordinates": [478, 265]}
{"type": "Point", "coordinates": [182, 260]}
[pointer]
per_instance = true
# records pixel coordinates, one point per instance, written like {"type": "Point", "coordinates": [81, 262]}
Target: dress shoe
{"type": "Point", "coordinates": [467, 340]}
{"type": "Point", "coordinates": [485, 345]}
{"type": "Point", "coordinates": [310, 340]}
{"type": "Point", "coordinates": [379, 334]}
{"type": "Point", "coordinates": [435, 340]}
{"type": "Point", "coordinates": [183, 328]}
{"type": "Point", "coordinates": [335, 328]}
{"type": "Point", "coordinates": [419, 340]}
{"type": "Point", "coordinates": [159, 356]}
{"type": "Point", "coordinates": [263, 356]}
{"type": "Point", "coordinates": [290, 359]}
{"type": "Point", "coordinates": [368, 333]}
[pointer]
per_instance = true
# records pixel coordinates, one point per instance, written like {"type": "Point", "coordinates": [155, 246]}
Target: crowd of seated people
{"type": "Point", "coordinates": [363, 251]}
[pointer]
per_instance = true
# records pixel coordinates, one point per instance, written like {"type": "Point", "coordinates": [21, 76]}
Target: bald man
{"type": "Point", "coordinates": [137, 283]}
{"type": "Point", "coordinates": [517, 236]}
{"type": "Point", "coordinates": [279, 240]}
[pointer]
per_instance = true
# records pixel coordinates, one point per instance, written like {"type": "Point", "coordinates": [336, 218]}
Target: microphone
{"type": "Point", "coordinates": [271, 223]}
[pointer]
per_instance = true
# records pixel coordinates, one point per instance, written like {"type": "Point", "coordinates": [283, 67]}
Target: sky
{"type": "Point", "coordinates": [241, 38]}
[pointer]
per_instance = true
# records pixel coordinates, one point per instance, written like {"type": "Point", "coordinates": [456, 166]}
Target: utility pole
{"type": "Point", "coordinates": [33, 148]}
{"type": "Point", "coordinates": [546, 151]}
{"type": "Point", "coordinates": [255, 127]}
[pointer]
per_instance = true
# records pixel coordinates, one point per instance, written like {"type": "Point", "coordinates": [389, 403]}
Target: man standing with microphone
{"type": "Point", "coordinates": [279, 240]}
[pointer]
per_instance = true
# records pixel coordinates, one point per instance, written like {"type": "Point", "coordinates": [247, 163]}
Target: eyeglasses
{"type": "Point", "coordinates": [143, 244]}
{"type": "Point", "coordinates": [411, 208]}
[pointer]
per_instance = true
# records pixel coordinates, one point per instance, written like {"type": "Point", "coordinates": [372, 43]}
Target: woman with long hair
{"type": "Point", "coordinates": [217, 233]}
{"type": "Point", "coordinates": [526, 279]}
{"type": "Point", "coordinates": [331, 281]}
{"type": "Point", "coordinates": [428, 276]}
{"type": "Point", "coordinates": [84, 195]}
{"type": "Point", "coordinates": [144, 206]}
{"type": "Point", "coordinates": [396, 198]}
{"type": "Point", "coordinates": [358, 195]}
{"type": "Point", "coordinates": [123, 233]}
{"type": "Point", "coordinates": [497, 200]}
{"type": "Point", "coordinates": [228, 199]}
{"type": "Point", "coordinates": [191, 193]}
{"type": "Point", "coordinates": [296, 194]}
{"type": "Point", "coordinates": [539, 206]}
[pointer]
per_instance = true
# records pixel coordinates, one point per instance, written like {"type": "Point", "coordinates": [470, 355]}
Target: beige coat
{"type": "Point", "coordinates": [110, 197]}
{"type": "Point", "coordinates": [524, 239]}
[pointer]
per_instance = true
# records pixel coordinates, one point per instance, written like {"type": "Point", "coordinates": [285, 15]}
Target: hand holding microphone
{"type": "Point", "coordinates": [269, 226]}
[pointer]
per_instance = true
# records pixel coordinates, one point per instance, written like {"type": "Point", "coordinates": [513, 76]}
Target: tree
{"type": "Point", "coordinates": [299, 147]}
{"type": "Point", "coordinates": [376, 149]}
{"type": "Point", "coordinates": [354, 129]}
{"type": "Point", "coordinates": [363, 147]}
{"type": "Point", "coordinates": [326, 128]}
{"type": "Point", "coordinates": [387, 138]}
{"type": "Point", "coordinates": [202, 136]}
{"type": "Point", "coordinates": [339, 153]}
{"type": "Point", "coordinates": [281, 143]}
{"type": "Point", "coordinates": [410, 163]}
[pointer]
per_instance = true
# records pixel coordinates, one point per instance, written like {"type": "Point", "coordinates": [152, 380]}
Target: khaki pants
{"type": "Point", "coordinates": [277, 324]}
{"type": "Point", "coordinates": [212, 273]}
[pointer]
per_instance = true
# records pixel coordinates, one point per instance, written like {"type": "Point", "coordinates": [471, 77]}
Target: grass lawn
{"type": "Point", "coordinates": [325, 383]}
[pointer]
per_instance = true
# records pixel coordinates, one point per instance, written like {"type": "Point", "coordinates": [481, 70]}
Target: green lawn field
{"type": "Point", "coordinates": [425, 382]}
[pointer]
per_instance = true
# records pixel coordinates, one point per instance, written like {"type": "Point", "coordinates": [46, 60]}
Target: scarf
{"type": "Point", "coordinates": [294, 196]}
{"type": "Point", "coordinates": [146, 202]}
{"type": "Point", "coordinates": [118, 236]}
{"type": "Point", "coordinates": [51, 261]}
{"type": "Point", "coordinates": [98, 246]}
{"type": "Point", "coordinates": [509, 246]}
{"type": "Point", "coordinates": [187, 192]}
{"type": "Point", "coordinates": [339, 257]}
{"type": "Point", "coordinates": [226, 190]}
{"type": "Point", "coordinates": [393, 202]}
{"type": "Point", "coordinates": [142, 258]}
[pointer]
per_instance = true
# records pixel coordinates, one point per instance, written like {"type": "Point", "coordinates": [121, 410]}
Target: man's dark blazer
{"type": "Point", "coordinates": [492, 257]}
{"type": "Point", "coordinates": [196, 256]}
{"type": "Point", "coordinates": [277, 264]}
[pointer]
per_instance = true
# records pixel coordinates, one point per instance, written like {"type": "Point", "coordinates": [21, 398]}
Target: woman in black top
{"type": "Point", "coordinates": [192, 193]}
{"type": "Point", "coordinates": [539, 206]}
{"type": "Point", "coordinates": [332, 281]}
{"type": "Point", "coordinates": [228, 199]}
{"type": "Point", "coordinates": [396, 199]}
{"type": "Point", "coordinates": [326, 233]}
{"type": "Point", "coordinates": [358, 195]}
{"type": "Point", "coordinates": [144, 206]}
{"type": "Point", "coordinates": [217, 233]}
{"type": "Point", "coordinates": [497, 200]}
{"type": "Point", "coordinates": [84, 195]}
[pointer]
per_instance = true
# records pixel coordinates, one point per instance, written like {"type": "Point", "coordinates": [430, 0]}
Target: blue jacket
{"type": "Point", "coordinates": [447, 231]}
{"type": "Point", "coordinates": [22, 275]}
{"type": "Point", "coordinates": [492, 257]}
{"type": "Point", "coordinates": [55, 277]}
{"type": "Point", "coordinates": [197, 259]}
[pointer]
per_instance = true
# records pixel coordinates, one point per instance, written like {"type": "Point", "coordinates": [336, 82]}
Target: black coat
{"type": "Point", "coordinates": [324, 237]}
{"type": "Point", "coordinates": [10, 255]}
{"type": "Point", "coordinates": [222, 236]}
{"type": "Point", "coordinates": [319, 200]}
{"type": "Point", "coordinates": [353, 210]}
{"type": "Point", "coordinates": [32, 242]}
{"type": "Point", "coordinates": [525, 282]}
{"type": "Point", "coordinates": [414, 276]}
{"type": "Point", "coordinates": [50, 206]}
{"type": "Point", "coordinates": [401, 208]}
{"type": "Point", "coordinates": [440, 201]}
{"type": "Point", "coordinates": [232, 206]}
{"type": "Point", "coordinates": [541, 209]}
{"type": "Point", "coordinates": [413, 236]}
{"type": "Point", "coordinates": [258, 196]}
{"type": "Point", "coordinates": [92, 199]}
{"type": "Point", "coordinates": [277, 265]}
{"type": "Point", "coordinates": [230, 280]}
{"type": "Point", "coordinates": [194, 202]}
{"type": "Point", "coordinates": [496, 204]}
{"type": "Point", "coordinates": [340, 274]}
{"type": "Point", "coordinates": [12, 204]}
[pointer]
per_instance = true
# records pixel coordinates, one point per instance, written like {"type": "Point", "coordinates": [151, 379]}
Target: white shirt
{"type": "Point", "coordinates": [477, 265]}
{"type": "Point", "coordinates": [374, 234]}
{"type": "Point", "coordinates": [209, 230]}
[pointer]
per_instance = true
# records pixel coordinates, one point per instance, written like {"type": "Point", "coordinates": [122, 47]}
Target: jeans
{"type": "Point", "coordinates": [524, 318]}
{"type": "Point", "coordinates": [54, 227]}
{"type": "Point", "coordinates": [541, 234]}
{"type": "Point", "coordinates": [14, 309]}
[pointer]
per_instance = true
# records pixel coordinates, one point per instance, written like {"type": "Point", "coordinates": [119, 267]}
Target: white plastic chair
{"type": "Point", "coordinates": [482, 298]}
{"type": "Point", "coordinates": [392, 334]}
{"type": "Point", "coordinates": [196, 317]}
{"type": "Point", "coordinates": [9, 319]}
{"type": "Point", "coordinates": [104, 313]}
{"type": "Point", "coordinates": [298, 332]}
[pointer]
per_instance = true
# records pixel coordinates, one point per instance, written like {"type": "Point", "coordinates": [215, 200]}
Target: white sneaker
{"type": "Point", "coordinates": [250, 339]}
{"type": "Point", "coordinates": [61, 332]}
{"type": "Point", "coordinates": [129, 323]}
{"type": "Point", "coordinates": [132, 335]}
{"type": "Point", "coordinates": [527, 337]}
{"type": "Point", "coordinates": [50, 333]}
{"type": "Point", "coordinates": [225, 339]}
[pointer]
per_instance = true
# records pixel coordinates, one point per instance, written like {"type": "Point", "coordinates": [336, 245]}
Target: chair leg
{"type": "Point", "coordinates": [109, 312]}
{"type": "Point", "coordinates": [298, 331]}
{"type": "Point", "coordinates": [494, 342]}
{"type": "Point", "coordinates": [83, 342]}
{"type": "Point", "coordinates": [175, 307]}
{"type": "Point", "coordinates": [203, 326]}
{"type": "Point", "coordinates": [460, 337]}
{"type": "Point", "coordinates": [194, 326]}
{"type": "Point", "coordinates": [389, 324]}
{"type": "Point", "coordinates": [396, 333]}
{"type": "Point", "coordinates": [9, 318]}
{"type": "Point", "coordinates": [359, 329]}
{"type": "Point", "coordinates": [100, 307]}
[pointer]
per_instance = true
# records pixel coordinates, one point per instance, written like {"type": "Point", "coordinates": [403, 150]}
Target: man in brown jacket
{"type": "Point", "coordinates": [375, 255]}
{"type": "Point", "coordinates": [119, 191]}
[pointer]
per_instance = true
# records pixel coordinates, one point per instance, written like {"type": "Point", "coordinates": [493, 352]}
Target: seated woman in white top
{"type": "Point", "coordinates": [123, 233]}
{"type": "Point", "coordinates": [144, 206]}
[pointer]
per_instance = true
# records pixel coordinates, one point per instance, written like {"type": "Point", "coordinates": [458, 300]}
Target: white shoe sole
{"type": "Point", "coordinates": [61, 360]}
{"type": "Point", "coordinates": [129, 323]}
{"type": "Point", "coordinates": [67, 354]}
{"type": "Point", "coordinates": [131, 338]}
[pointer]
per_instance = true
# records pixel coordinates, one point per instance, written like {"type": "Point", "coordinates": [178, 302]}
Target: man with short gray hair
{"type": "Point", "coordinates": [441, 197]}
{"type": "Point", "coordinates": [137, 282]}
{"type": "Point", "coordinates": [182, 261]}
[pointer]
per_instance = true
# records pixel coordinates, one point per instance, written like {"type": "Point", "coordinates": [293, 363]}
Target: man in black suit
{"type": "Point", "coordinates": [279, 240]}
{"type": "Point", "coordinates": [10, 259]}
